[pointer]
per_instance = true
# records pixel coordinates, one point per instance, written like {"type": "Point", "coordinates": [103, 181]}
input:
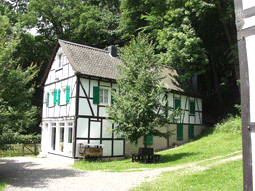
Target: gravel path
{"type": "Point", "coordinates": [27, 173]}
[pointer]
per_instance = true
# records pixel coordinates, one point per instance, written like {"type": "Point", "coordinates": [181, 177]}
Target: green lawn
{"type": "Point", "coordinates": [225, 176]}
{"type": "Point", "coordinates": [212, 145]}
{"type": "Point", "coordinates": [205, 163]}
{"type": "Point", "coordinates": [2, 184]}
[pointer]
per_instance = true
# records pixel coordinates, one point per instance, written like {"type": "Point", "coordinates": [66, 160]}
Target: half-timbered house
{"type": "Point", "coordinates": [77, 88]}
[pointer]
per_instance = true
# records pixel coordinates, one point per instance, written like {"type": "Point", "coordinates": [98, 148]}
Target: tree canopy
{"type": "Point", "coordinates": [192, 36]}
{"type": "Point", "coordinates": [16, 111]}
{"type": "Point", "coordinates": [139, 106]}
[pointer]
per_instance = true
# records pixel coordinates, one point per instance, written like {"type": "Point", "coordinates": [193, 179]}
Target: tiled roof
{"type": "Point", "coordinates": [90, 61]}
{"type": "Point", "coordinates": [99, 63]}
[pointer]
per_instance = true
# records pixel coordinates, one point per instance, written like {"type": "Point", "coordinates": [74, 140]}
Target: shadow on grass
{"type": "Point", "coordinates": [174, 157]}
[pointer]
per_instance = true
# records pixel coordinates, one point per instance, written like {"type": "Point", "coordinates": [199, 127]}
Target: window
{"type": "Point", "coordinates": [104, 96]}
{"type": "Point", "coordinates": [53, 136]}
{"type": "Point", "coordinates": [192, 108]}
{"type": "Point", "coordinates": [63, 96]}
{"type": "Point", "coordinates": [62, 135]}
{"type": "Point", "coordinates": [179, 132]}
{"type": "Point", "coordinates": [70, 132]}
{"type": "Point", "coordinates": [60, 60]}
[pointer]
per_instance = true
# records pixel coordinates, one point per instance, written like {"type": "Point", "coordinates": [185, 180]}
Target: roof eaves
{"type": "Point", "coordinates": [49, 64]}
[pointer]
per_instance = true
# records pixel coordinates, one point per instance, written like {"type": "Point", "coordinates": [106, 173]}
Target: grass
{"type": "Point", "coordinates": [2, 185]}
{"type": "Point", "coordinates": [217, 141]}
{"type": "Point", "coordinates": [225, 176]}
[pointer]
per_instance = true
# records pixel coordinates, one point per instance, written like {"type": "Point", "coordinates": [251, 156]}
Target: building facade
{"type": "Point", "coordinates": [77, 91]}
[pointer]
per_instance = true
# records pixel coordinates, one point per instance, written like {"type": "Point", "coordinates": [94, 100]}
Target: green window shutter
{"type": "Point", "coordinates": [58, 96]}
{"type": "Point", "coordinates": [179, 132]}
{"type": "Point", "coordinates": [47, 99]}
{"type": "Point", "coordinates": [55, 97]}
{"type": "Point", "coordinates": [67, 94]}
{"type": "Point", "coordinates": [95, 95]}
{"type": "Point", "coordinates": [191, 131]}
{"type": "Point", "coordinates": [177, 104]}
{"type": "Point", "coordinates": [192, 108]}
{"type": "Point", "coordinates": [149, 139]}
{"type": "Point", "coordinates": [112, 100]}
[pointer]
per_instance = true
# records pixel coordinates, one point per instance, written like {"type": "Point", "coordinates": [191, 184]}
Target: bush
{"type": "Point", "coordinates": [233, 124]}
{"type": "Point", "coordinates": [24, 139]}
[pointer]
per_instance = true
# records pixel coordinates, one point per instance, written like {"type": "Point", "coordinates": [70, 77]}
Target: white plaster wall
{"type": "Point", "coordinates": [107, 127]}
{"type": "Point", "coordinates": [118, 147]}
{"type": "Point", "coordinates": [107, 148]}
{"type": "Point", "coordinates": [170, 100]}
{"type": "Point", "coordinates": [84, 108]}
{"type": "Point", "coordinates": [184, 103]}
{"type": "Point", "coordinates": [250, 46]}
{"type": "Point", "coordinates": [102, 112]}
{"type": "Point", "coordinates": [95, 129]}
{"type": "Point", "coordinates": [198, 104]}
{"type": "Point", "coordinates": [248, 4]}
{"type": "Point", "coordinates": [82, 127]}
{"type": "Point", "coordinates": [105, 84]}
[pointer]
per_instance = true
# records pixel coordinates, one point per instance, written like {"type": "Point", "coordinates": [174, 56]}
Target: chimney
{"type": "Point", "coordinates": [112, 50]}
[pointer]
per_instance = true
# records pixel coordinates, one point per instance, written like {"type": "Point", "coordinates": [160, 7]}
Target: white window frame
{"type": "Point", "coordinates": [60, 60]}
{"type": "Point", "coordinates": [51, 135]}
{"type": "Point", "coordinates": [70, 125]}
{"type": "Point", "coordinates": [61, 144]}
{"type": "Point", "coordinates": [103, 102]}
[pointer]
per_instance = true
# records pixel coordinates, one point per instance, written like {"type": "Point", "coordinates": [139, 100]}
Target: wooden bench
{"type": "Point", "coordinates": [145, 158]}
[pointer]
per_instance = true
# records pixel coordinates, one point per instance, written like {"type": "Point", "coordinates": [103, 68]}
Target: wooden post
{"type": "Point", "coordinates": [35, 149]}
{"type": "Point", "coordinates": [23, 149]}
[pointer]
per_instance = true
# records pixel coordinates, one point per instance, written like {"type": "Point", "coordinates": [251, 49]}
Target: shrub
{"type": "Point", "coordinates": [233, 124]}
{"type": "Point", "coordinates": [24, 139]}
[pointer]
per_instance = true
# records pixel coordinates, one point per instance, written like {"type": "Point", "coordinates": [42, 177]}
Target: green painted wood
{"type": "Point", "coordinates": [67, 94]}
{"type": "Point", "coordinates": [177, 104]}
{"type": "Point", "coordinates": [58, 97]}
{"type": "Point", "coordinates": [191, 131]}
{"type": "Point", "coordinates": [47, 99]}
{"type": "Point", "coordinates": [192, 107]}
{"type": "Point", "coordinates": [179, 132]}
{"type": "Point", "coordinates": [112, 100]}
{"type": "Point", "coordinates": [55, 97]}
{"type": "Point", "coordinates": [149, 140]}
{"type": "Point", "coordinates": [95, 95]}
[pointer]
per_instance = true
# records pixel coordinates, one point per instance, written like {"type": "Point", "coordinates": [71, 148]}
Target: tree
{"type": "Point", "coordinates": [16, 111]}
{"type": "Point", "coordinates": [93, 23]}
{"type": "Point", "coordinates": [138, 108]}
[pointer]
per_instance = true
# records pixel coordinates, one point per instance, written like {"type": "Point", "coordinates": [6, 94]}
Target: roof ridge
{"type": "Point", "coordinates": [82, 45]}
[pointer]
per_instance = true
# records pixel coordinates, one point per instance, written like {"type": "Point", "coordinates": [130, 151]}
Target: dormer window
{"type": "Point", "coordinates": [60, 60]}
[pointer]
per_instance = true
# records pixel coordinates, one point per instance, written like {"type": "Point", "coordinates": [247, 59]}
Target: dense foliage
{"type": "Point", "coordinates": [16, 111]}
{"type": "Point", "coordinates": [193, 36]}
